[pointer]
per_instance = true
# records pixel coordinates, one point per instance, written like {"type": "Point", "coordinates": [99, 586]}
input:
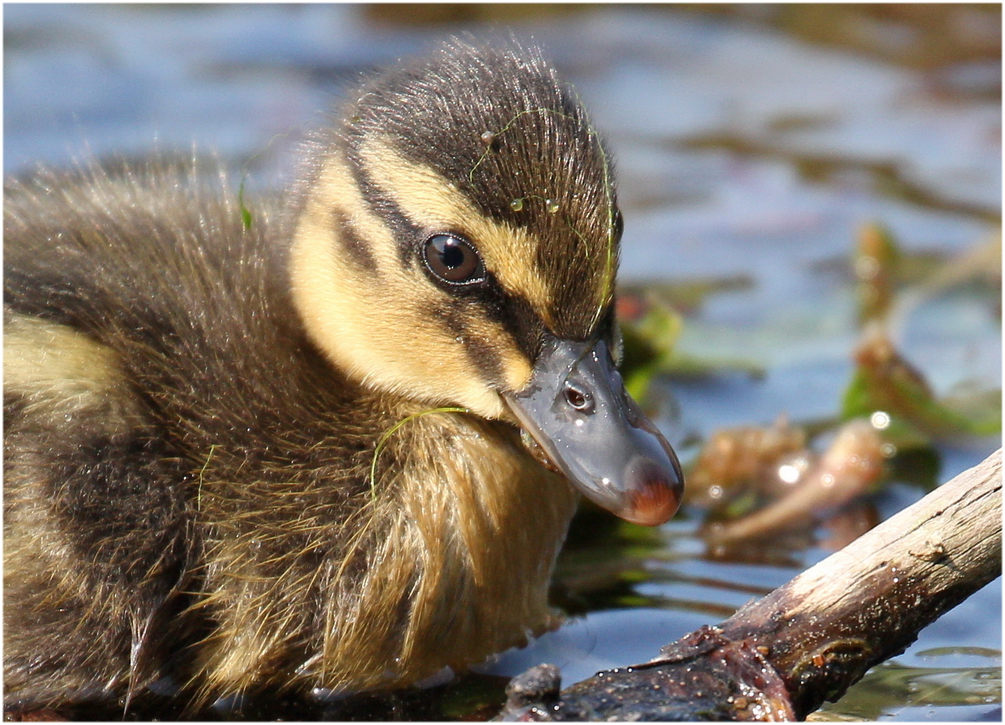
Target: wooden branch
{"type": "Point", "coordinates": [781, 657]}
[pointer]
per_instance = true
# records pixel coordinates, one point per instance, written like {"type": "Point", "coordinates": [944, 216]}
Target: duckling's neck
{"type": "Point", "coordinates": [446, 557]}
{"type": "Point", "coordinates": [471, 528]}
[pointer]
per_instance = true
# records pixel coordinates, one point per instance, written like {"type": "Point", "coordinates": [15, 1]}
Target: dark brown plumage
{"type": "Point", "coordinates": [194, 409]}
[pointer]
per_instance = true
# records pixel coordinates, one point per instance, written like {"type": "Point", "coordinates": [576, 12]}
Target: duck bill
{"type": "Point", "coordinates": [576, 409]}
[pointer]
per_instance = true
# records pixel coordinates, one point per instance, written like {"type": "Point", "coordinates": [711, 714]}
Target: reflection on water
{"type": "Point", "coordinates": [745, 153]}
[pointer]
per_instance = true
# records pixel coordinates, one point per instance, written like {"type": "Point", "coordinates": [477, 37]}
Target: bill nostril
{"type": "Point", "coordinates": [578, 397]}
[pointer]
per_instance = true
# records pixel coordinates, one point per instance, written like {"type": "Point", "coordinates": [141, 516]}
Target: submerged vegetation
{"type": "Point", "coordinates": [888, 408]}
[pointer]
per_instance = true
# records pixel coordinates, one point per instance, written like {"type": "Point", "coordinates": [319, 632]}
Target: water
{"type": "Point", "coordinates": [744, 155]}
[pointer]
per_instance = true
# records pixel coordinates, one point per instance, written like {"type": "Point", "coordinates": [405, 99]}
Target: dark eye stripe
{"type": "Point", "coordinates": [355, 248]}
{"type": "Point", "coordinates": [455, 316]}
{"type": "Point", "coordinates": [384, 207]}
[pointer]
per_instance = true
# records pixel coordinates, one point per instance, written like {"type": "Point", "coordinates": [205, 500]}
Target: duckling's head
{"type": "Point", "coordinates": [456, 244]}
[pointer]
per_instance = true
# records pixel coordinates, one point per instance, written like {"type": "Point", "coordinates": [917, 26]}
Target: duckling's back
{"type": "Point", "coordinates": [144, 319]}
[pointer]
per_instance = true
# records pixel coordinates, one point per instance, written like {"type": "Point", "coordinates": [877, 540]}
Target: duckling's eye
{"type": "Point", "coordinates": [453, 259]}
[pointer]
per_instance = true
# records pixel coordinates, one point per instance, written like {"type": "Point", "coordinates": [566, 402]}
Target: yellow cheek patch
{"type": "Point", "coordinates": [517, 370]}
{"type": "Point", "coordinates": [377, 327]}
{"type": "Point", "coordinates": [433, 202]}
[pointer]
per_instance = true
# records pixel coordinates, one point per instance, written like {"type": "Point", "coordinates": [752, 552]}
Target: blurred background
{"type": "Point", "coordinates": [803, 186]}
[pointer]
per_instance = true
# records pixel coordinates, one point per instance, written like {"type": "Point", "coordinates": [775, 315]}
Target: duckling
{"type": "Point", "coordinates": [338, 446]}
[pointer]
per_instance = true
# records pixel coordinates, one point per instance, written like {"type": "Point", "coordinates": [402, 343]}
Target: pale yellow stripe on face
{"type": "Point", "coordinates": [353, 315]}
{"type": "Point", "coordinates": [431, 201]}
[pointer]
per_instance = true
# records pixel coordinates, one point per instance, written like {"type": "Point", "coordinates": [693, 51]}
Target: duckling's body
{"type": "Point", "coordinates": [220, 460]}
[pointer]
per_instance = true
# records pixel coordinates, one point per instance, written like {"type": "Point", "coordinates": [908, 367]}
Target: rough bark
{"type": "Point", "coordinates": [781, 657]}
